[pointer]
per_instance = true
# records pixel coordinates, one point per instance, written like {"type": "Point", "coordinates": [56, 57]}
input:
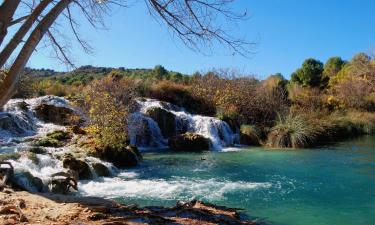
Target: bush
{"type": "Point", "coordinates": [107, 102]}
{"type": "Point", "coordinates": [293, 132]}
{"type": "Point", "coordinates": [181, 95]}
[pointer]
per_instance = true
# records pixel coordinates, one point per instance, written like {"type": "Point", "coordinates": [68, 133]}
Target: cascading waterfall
{"type": "Point", "coordinates": [18, 121]}
{"type": "Point", "coordinates": [145, 132]}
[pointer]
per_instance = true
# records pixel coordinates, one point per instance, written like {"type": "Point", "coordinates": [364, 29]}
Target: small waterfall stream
{"type": "Point", "coordinates": [145, 132]}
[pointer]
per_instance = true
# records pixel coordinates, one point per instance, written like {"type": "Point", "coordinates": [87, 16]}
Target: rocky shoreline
{"type": "Point", "coordinates": [20, 207]}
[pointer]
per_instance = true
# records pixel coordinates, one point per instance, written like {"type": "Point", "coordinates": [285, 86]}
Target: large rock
{"type": "Point", "coordinates": [15, 124]}
{"type": "Point", "coordinates": [26, 181]}
{"type": "Point", "coordinates": [121, 157]}
{"type": "Point", "coordinates": [77, 165]}
{"type": "Point", "coordinates": [189, 142]}
{"type": "Point", "coordinates": [165, 119]}
{"type": "Point", "coordinates": [55, 114]}
{"type": "Point", "coordinates": [249, 135]}
{"type": "Point", "coordinates": [101, 170]}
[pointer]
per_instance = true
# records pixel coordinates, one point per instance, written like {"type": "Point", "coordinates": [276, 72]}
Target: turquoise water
{"type": "Point", "coordinates": [329, 185]}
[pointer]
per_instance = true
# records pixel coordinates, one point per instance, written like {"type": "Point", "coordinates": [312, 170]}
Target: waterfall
{"type": "Point", "coordinates": [145, 132]}
{"type": "Point", "coordinates": [18, 121]}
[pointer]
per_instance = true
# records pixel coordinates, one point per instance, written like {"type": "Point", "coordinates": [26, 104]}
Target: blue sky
{"type": "Point", "coordinates": [286, 32]}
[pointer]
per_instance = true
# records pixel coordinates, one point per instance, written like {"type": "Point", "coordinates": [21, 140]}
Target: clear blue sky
{"type": "Point", "coordinates": [287, 32]}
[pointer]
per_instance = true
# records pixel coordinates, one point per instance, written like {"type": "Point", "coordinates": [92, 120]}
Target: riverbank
{"type": "Point", "coordinates": [19, 207]}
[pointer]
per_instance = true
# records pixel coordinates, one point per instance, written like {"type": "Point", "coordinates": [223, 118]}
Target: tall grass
{"type": "Point", "coordinates": [293, 131]}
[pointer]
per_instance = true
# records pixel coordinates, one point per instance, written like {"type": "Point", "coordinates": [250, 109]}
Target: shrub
{"type": "Point", "coordinates": [293, 132]}
{"type": "Point", "coordinates": [253, 103]}
{"type": "Point", "coordinates": [181, 95]}
{"type": "Point", "coordinates": [107, 102]}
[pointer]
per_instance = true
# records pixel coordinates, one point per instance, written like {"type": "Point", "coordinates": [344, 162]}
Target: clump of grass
{"type": "Point", "coordinates": [293, 132]}
{"type": "Point", "coordinates": [250, 135]}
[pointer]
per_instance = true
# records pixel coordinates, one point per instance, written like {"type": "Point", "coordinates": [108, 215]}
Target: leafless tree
{"type": "Point", "coordinates": [195, 22]}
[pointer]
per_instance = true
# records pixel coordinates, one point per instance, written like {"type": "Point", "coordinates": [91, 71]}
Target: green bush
{"type": "Point", "coordinates": [293, 132]}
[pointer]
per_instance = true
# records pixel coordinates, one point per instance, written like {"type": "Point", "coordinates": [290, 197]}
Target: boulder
{"type": "Point", "coordinates": [26, 181]}
{"type": "Point", "coordinates": [121, 157]}
{"type": "Point", "coordinates": [101, 170]}
{"type": "Point", "coordinates": [55, 114]}
{"type": "Point", "coordinates": [249, 135]}
{"type": "Point", "coordinates": [14, 124]}
{"type": "Point", "coordinates": [189, 142]}
{"type": "Point", "coordinates": [77, 165]}
{"type": "Point", "coordinates": [165, 119]}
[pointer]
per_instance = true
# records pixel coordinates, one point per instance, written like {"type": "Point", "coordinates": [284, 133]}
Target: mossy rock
{"type": "Point", "coordinates": [249, 135]}
{"type": "Point", "coordinates": [55, 114]}
{"type": "Point", "coordinates": [54, 139]}
{"type": "Point", "coordinates": [60, 135]}
{"type": "Point", "coordinates": [121, 157]}
{"type": "Point", "coordinates": [77, 165]}
{"type": "Point", "coordinates": [10, 156]}
{"type": "Point", "coordinates": [165, 119]}
{"type": "Point", "coordinates": [48, 142]}
{"type": "Point", "coordinates": [189, 142]}
{"type": "Point", "coordinates": [101, 170]}
{"type": "Point", "coordinates": [37, 150]}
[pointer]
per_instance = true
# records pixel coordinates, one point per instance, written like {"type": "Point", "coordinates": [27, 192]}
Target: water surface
{"type": "Point", "coordinates": [329, 185]}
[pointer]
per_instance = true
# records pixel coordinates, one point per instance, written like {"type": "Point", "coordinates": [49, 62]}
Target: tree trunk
{"type": "Point", "coordinates": [7, 10]}
{"type": "Point", "coordinates": [22, 31]}
{"type": "Point", "coordinates": [8, 85]}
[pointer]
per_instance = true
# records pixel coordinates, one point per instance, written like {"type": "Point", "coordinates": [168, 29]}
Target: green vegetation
{"type": "Point", "coordinates": [321, 102]}
{"type": "Point", "coordinates": [53, 139]}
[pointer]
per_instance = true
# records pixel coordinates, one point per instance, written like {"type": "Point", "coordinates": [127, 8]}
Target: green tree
{"type": "Point", "coordinates": [333, 66]}
{"type": "Point", "coordinates": [159, 72]}
{"type": "Point", "coordinates": [310, 74]}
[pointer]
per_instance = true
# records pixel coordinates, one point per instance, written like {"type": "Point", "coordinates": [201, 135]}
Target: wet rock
{"type": "Point", "coordinates": [55, 114]}
{"type": "Point", "coordinates": [37, 150]}
{"type": "Point", "coordinates": [62, 182]}
{"type": "Point", "coordinates": [165, 119]}
{"type": "Point", "coordinates": [189, 142]}
{"type": "Point", "coordinates": [26, 181]}
{"type": "Point", "coordinates": [77, 165]}
{"type": "Point", "coordinates": [121, 157]}
{"type": "Point", "coordinates": [14, 124]}
{"type": "Point", "coordinates": [101, 170]}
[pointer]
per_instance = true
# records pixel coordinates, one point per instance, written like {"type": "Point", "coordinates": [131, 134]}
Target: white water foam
{"type": "Point", "coordinates": [178, 188]}
{"type": "Point", "coordinates": [145, 132]}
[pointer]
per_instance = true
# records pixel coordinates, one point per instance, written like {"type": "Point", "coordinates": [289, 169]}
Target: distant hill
{"type": "Point", "coordinates": [85, 74]}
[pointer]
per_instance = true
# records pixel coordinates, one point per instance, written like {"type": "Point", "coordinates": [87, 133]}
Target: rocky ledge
{"type": "Point", "coordinates": [27, 208]}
